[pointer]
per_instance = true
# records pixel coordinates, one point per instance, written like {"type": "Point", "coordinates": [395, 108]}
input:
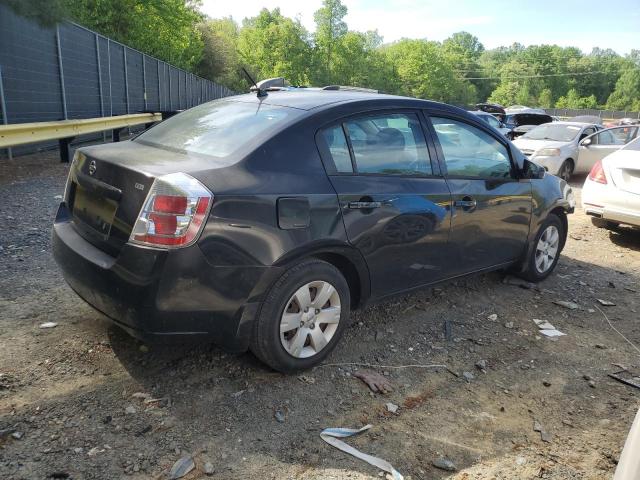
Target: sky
{"type": "Point", "coordinates": [584, 24]}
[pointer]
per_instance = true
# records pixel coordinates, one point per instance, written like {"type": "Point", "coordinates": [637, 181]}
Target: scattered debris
{"type": "Point", "coordinates": [546, 383]}
{"type": "Point", "coordinates": [444, 464]}
{"type": "Point", "coordinates": [565, 304]}
{"type": "Point", "coordinates": [181, 468]}
{"type": "Point", "coordinates": [481, 365]}
{"type": "Point", "coordinates": [143, 348]}
{"type": "Point", "coordinates": [332, 436]}
{"type": "Point", "coordinates": [392, 407]}
{"type": "Point", "coordinates": [94, 451]}
{"type": "Point", "coordinates": [544, 436]}
{"type": "Point", "coordinates": [518, 282]}
{"type": "Point", "coordinates": [546, 329]}
{"type": "Point", "coordinates": [627, 377]}
{"type": "Point", "coordinates": [208, 468]}
{"type": "Point", "coordinates": [629, 289]}
{"type": "Point", "coordinates": [279, 415]}
{"type": "Point", "coordinates": [448, 330]}
{"type": "Point", "coordinates": [605, 303]}
{"type": "Point", "coordinates": [130, 410]}
{"type": "Point", "coordinates": [141, 396]}
{"type": "Point", "coordinates": [468, 376]}
{"type": "Point", "coordinates": [307, 379]}
{"type": "Point", "coordinates": [376, 382]}
{"type": "Point", "coordinates": [48, 325]}
{"type": "Point", "coordinates": [616, 330]}
{"type": "Point", "coordinates": [17, 435]}
{"type": "Point", "coordinates": [493, 317]}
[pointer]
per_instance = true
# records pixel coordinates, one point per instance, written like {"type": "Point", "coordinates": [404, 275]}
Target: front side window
{"type": "Point", "coordinates": [470, 152]}
{"type": "Point", "coordinates": [391, 144]}
{"type": "Point", "coordinates": [615, 136]}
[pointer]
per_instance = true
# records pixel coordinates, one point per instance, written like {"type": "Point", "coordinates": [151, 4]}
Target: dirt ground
{"type": "Point", "coordinates": [68, 409]}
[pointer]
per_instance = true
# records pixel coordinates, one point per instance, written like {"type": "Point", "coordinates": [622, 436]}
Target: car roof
{"type": "Point", "coordinates": [311, 98]}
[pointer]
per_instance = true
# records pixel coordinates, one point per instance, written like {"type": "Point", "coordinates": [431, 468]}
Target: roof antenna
{"type": "Point", "coordinates": [261, 93]}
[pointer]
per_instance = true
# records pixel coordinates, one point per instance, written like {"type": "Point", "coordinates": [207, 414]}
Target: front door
{"type": "Point", "coordinates": [602, 144]}
{"type": "Point", "coordinates": [395, 205]}
{"type": "Point", "coordinates": [491, 207]}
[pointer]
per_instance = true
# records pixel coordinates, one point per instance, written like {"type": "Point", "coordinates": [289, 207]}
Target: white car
{"type": "Point", "coordinates": [611, 192]}
{"type": "Point", "coordinates": [554, 146]}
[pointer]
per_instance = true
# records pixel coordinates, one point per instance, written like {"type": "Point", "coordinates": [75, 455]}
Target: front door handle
{"type": "Point", "coordinates": [465, 203]}
{"type": "Point", "coordinates": [364, 205]}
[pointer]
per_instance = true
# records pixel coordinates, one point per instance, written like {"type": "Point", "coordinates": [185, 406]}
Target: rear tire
{"type": "Point", "coordinates": [293, 331]}
{"type": "Point", "coordinates": [545, 254]}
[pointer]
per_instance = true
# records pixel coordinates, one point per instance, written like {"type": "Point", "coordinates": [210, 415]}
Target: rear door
{"type": "Point", "coordinates": [602, 144]}
{"type": "Point", "coordinates": [395, 204]}
{"type": "Point", "coordinates": [491, 207]}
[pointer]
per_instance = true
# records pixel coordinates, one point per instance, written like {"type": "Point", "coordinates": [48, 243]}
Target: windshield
{"type": "Point", "coordinates": [217, 128]}
{"type": "Point", "coordinates": [633, 145]}
{"type": "Point", "coordinates": [554, 132]}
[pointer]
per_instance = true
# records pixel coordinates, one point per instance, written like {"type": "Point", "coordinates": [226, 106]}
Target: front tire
{"type": "Point", "coordinates": [545, 254]}
{"type": "Point", "coordinates": [566, 170]}
{"type": "Point", "coordinates": [302, 317]}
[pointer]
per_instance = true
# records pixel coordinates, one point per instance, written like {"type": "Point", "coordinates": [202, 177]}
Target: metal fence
{"type": "Point", "coordinates": [70, 72]}
{"type": "Point", "coordinates": [603, 114]}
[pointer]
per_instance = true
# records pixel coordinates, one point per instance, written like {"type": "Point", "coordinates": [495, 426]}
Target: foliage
{"type": "Point", "coordinates": [458, 70]}
{"type": "Point", "coordinates": [163, 28]}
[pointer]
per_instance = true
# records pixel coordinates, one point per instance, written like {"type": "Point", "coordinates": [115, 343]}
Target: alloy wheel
{"type": "Point", "coordinates": [310, 319]}
{"type": "Point", "coordinates": [547, 248]}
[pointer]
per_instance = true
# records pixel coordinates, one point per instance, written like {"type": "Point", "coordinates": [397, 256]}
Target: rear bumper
{"type": "Point", "coordinates": [609, 203]}
{"type": "Point", "coordinates": [163, 295]}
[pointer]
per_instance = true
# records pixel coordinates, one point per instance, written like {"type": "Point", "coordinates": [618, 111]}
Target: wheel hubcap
{"type": "Point", "coordinates": [547, 248]}
{"type": "Point", "coordinates": [310, 319]}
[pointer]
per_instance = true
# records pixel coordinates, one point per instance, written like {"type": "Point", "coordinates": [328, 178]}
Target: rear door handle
{"type": "Point", "coordinates": [364, 205]}
{"type": "Point", "coordinates": [466, 202]}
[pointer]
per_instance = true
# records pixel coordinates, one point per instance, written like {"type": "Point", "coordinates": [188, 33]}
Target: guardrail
{"type": "Point", "coordinates": [66, 130]}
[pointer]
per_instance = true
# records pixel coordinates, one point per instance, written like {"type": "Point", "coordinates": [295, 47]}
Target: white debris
{"type": "Point", "coordinates": [48, 325]}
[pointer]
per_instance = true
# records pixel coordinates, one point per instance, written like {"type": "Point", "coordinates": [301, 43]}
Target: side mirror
{"type": "Point", "coordinates": [586, 142]}
{"type": "Point", "coordinates": [533, 171]}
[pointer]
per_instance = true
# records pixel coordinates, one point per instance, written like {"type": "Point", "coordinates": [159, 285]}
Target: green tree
{"type": "Point", "coordinates": [220, 60]}
{"type": "Point", "coordinates": [166, 29]}
{"type": "Point", "coordinates": [545, 100]}
{"type": "Point", "coordinates": [330, 31]}
{"type": "Point", "coordinates": [271, 45]}
{"type": "Point", "coordinates": [45, 12]}
{"type": "Point", "coordinates": [626, 95]}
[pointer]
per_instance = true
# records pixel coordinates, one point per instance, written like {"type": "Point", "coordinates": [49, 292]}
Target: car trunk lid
{"type": "Point", "coordinates": [624, 168]}
{"type": "Point", "coordinates": [108, 186]}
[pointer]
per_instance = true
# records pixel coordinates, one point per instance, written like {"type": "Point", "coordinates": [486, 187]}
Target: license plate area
{"type": "Point", "coordinates": [95, 212]}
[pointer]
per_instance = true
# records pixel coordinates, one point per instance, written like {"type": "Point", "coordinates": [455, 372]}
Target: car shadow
{"type": "Point", "coordinates": [626, 237]}
{"type": "Point", "coordinates": [232, 401]}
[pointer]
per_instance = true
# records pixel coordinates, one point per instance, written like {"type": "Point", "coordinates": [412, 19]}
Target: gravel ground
{"type": "Point", "coordinates": [85, 401]}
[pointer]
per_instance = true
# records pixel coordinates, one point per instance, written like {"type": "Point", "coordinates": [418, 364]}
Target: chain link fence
{"type": "Point", "coordinates": [70, 72]}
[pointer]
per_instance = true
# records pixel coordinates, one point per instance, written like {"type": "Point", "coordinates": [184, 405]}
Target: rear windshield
{"type": "Point", "coordinates": [218, 128]}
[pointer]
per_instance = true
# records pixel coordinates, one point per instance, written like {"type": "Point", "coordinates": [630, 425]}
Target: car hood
{"type": "Point", "coordinates": [530, 144]}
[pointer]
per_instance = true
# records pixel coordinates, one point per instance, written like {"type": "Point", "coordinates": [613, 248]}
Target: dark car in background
{"type": "Point", "coordinates": [260, 222]}
{"type": "Point", "coordinates": [516, 121]}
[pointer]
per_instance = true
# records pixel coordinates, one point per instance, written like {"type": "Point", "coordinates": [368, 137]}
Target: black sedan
{"type": "Point", "coordinates": [260, 222]}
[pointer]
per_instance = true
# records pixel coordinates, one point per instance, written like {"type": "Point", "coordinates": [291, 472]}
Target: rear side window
{"type": "Point", "coordinates": [470, 152]}
{"type": "Point", "coordinates": [218, 128]}
{"type": "Point", "coordinates": [337, 144]}
{"type": "Point", "coordinates": [390, 144]}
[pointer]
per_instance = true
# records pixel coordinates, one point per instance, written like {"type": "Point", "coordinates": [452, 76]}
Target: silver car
{"type": "Point", "coordinates": [603, 143]}
{"type": "Point", "coordinates": [555, 146]}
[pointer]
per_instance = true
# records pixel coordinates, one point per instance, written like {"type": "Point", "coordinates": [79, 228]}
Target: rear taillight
{"type": "Point", "coordinates": [597, 173]}
{"type": "Point", "coordinates": [174, 212]}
